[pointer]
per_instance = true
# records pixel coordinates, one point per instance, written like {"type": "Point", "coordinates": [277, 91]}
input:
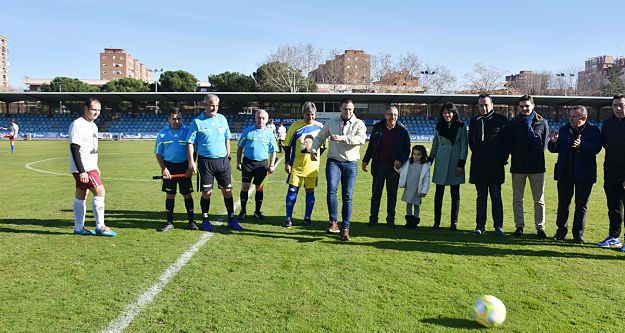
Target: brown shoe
{"type": "Point", "coordinates": [333, 228]}
{"type": "Point", "coordinates": [345, 234]}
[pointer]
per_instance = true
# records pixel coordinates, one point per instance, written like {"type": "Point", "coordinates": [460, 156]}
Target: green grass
{"type": "Point", "coordinates": [271, 279]}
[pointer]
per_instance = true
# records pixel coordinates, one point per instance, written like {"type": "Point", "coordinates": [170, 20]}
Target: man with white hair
{"type": "Point", "coordinates": [257, 144]}
{"type": "Point", "coordinates": [210, 133]}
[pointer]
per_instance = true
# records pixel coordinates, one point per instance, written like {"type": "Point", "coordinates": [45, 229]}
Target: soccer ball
{"type": "Point", "coordinates": [489, 311]}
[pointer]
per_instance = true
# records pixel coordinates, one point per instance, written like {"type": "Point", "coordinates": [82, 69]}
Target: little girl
{"type": "Point", "coordinates": [414, 177]}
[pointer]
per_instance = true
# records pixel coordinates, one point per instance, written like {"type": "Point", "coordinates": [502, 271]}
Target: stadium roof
{"type": "Point", "coordinates": [244, 97]}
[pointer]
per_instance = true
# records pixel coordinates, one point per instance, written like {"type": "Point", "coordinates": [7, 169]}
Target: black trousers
{"type": "Point", "coordinates": [615, 195]}
{"type": "Point", "coordinates": [565, 195]}
{"type": "Point", "coordinates": [384, 173]}
{"type": "Point", "coordinates": [438, 203]}
{"type": "Point", "coordinates": [481, 203]}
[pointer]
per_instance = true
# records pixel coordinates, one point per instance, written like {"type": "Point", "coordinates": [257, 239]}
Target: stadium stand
{"type": "Point", "coordinates": [147, 125]}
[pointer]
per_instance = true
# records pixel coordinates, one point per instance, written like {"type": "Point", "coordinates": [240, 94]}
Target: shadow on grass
{"type": "Point", "coordinates": [36, 232]}
{"type": "Point", "coordinates": [435, 241]}
{"type": "Point", "coordinates": [423, 239]}
{"type": "Point", "coordinates": [453, 323]}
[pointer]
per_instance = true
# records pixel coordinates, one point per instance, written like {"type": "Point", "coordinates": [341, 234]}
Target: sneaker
{"type": "Point", "coordinates": [259, 216]}
{"type": "Point", "coordinates": [541, 234]}
{"type": "Point", "coordinates": [234, 224]}
{"type": "Point", "coordinates": [558, 237]}
{"type": "Point", "coordinates": [478, 232]}
{"type": "Point", "coordinates": [106, 231]}
{"type": "Point", "coordinates": [579, 241]}
{"type": "Point", "coordinates": [192, 226]}
{"type": "Point", "coordinates": [622, 249]}
{"type": "Point", "coordinates": [499, 232]}
{"type": "Point", "coordinates": [287, 223]}
{"type": "Point", "coordinates": [610, 242]}
{"type": "Point", "coordinates": [308, 223]}
{"type": "Point", "coordinates": [207, 226]}
{"type": "Point", "coordinates": [84, 232]}
{"type": "Point", "coordinates": [242, 215]}
{"type": "Point", "coordinates": [168, 226]}
{"type": "Point", "coordinates": [518, 232]}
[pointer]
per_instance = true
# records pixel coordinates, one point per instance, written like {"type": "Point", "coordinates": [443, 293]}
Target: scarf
{"type": "Point", "coordinates": [449, 130]}
{"type": "Point", "coordinates": [489, 115]}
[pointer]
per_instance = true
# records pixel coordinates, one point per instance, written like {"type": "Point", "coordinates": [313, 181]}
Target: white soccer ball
{"type": "Point", "coordinates": [489, 311]}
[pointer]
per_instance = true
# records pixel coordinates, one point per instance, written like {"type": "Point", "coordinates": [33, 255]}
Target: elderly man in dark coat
{"type": "Point", "coordinates": [577, 145]}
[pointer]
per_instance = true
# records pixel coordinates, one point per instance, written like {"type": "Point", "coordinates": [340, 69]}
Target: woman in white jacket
{"type": "Point", "coordinates": [414, 177]}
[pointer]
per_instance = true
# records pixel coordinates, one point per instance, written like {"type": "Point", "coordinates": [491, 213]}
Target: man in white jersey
{"type": "Point", "coordinates": [83, 141]}
{"type": "Point", "coordinates": [281, 137]}
{"type": "Point", "coordinates": [13, 134]}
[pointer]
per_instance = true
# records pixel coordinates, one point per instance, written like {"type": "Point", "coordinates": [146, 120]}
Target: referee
{"type": "Point", "coordinates": [211, 134]}
{"type": "Point", "coordinates": [171, 154]}
{"type": "Point", "coordinates": [257, 142]}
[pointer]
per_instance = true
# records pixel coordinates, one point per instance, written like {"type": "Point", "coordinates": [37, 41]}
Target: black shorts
{"type": "Point", "coordinates": [253, 171]}
{"type": "Point", "coordinates": [184, 184]}
{"type": "Point", "coordinates": [214, 168]}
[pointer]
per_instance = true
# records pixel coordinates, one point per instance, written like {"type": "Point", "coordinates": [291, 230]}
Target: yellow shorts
{"type": "Point", "coordinates": [297, 181]}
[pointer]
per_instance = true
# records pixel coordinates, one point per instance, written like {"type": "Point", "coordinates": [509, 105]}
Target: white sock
{"type": "Point", "coordinates": [98, 211]}
{"type": "Point", "coordinates": [80, 209]}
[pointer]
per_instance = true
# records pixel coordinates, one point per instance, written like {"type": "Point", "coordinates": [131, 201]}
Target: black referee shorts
{"type": "Point", "coordinates": [184, 184]}
{"type": "Point", "coordinates": [253, 171]}
{"type": "Point", "coordinates": [214, 168]}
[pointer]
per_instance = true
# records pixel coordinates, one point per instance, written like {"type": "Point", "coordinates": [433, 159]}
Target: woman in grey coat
{"type": "Point", "coordinates": [449, 152]}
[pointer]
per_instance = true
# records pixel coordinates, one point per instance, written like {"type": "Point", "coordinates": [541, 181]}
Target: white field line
{"type": "Point", "coordinates": [133, 309]}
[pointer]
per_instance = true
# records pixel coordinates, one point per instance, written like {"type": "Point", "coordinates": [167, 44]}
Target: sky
{"type": "Point", "coordinates": [64, 37]}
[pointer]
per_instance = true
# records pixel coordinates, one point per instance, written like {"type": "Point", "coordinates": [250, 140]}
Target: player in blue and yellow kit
{"type": "Point", "coordinates": [256, 144]}
{"type": "Point", "coordinates": [301, 168]}
{"type": "Point", "coordinates": [171, 154]}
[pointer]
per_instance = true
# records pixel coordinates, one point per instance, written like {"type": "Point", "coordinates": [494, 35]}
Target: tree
{"type": "Point", "coordinates": [303, 58]}
{"type": "Point", "coordinates": [484, 78]}
{"type": "Point", "coordinates": [613, 81]}
{"type": "Point", "coordinates": [177, 81]}
{"type": "Point", "coordinates": [126, 84]}
{"type": "Point", "coordinates": [381, 66]}
{"type": "Point", "coordinates": [410, 62]}
{"type": "Point", "coordinates": [66, 84]}
{"type": "Point", "coordinates": [589, 83]}
{"type": "Point", "coordinates": [442, 81]}
{"type": "Point", "coordinates": [232, 81]}
{"type": "Point", "coordinates": [330, 72]}
{"type": "Point", "coordinates": [280, 77]}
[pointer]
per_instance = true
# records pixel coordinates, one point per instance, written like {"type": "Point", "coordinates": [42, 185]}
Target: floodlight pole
{"type": "Point", "coordinates": [156, 70]}
{"type": "Point", "coordinates": [427, 74]}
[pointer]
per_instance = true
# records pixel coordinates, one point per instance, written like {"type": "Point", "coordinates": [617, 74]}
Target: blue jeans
{"type": "Point", "coordinates": [345, 172]}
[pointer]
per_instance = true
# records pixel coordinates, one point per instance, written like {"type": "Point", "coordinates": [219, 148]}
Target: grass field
{"type": "Point", "coordinates": [273, 280]}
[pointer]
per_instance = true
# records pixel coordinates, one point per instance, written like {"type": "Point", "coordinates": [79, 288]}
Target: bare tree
{"type": "Point", "coordinates": [302, 58]}
{"type": "Point", "coordinates": [330, 72]}
{"type": "Point", "coordinates": [410, 62]}
{"type": "Point", "coordinates": [438, 80]}
{"type": "Point", "coordinates": [484, 78]}
{"type": "Point", "coordinates": [381, 65]}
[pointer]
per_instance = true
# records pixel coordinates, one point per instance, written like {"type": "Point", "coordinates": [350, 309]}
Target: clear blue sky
{"type": "Point", "coordinates": [64, 37]}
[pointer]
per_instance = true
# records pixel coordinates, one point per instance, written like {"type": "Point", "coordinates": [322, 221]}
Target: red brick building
{"type": "Point", "coordinates": [117, 64]}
